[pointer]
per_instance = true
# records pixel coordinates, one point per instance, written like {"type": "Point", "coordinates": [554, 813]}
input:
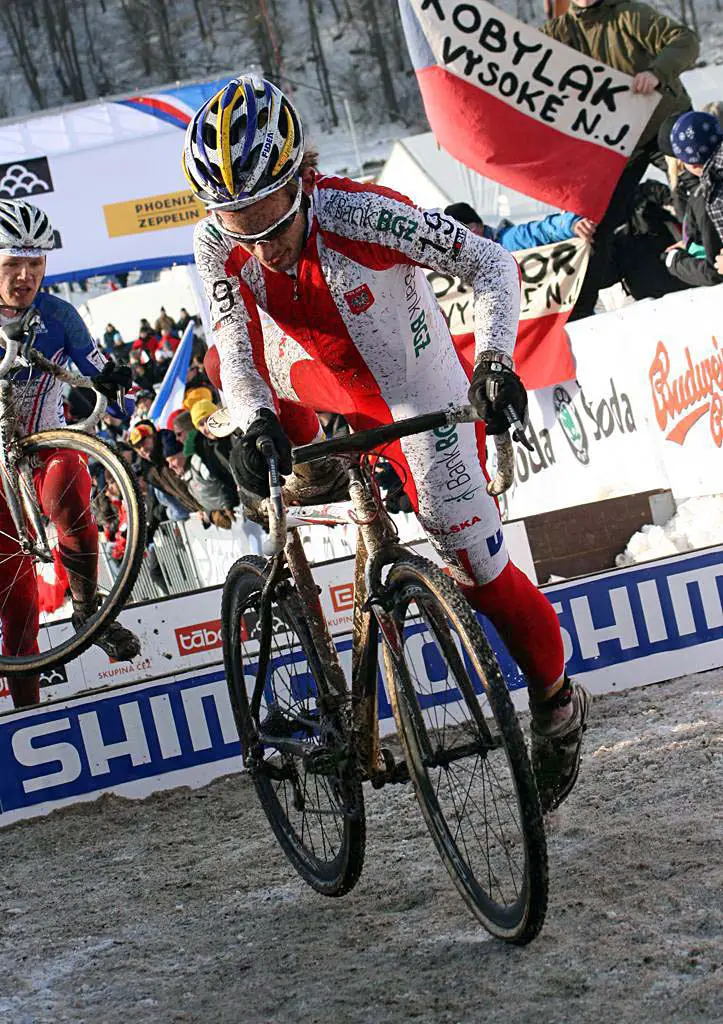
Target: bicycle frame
{"type": "Point", "coordinates": [376, 547]}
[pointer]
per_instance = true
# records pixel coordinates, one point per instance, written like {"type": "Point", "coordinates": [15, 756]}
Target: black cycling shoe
{"type": "Point", "coordinates": [557, 729]}
{"type": "Point", "coordinates": [119, 643]}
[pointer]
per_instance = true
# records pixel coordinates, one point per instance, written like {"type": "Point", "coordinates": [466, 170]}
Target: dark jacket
{"type": "Point", "coordinates": [639, 245]}
{"type": "Point", "coordinates": [208, 475]}
{"type": "Point", "coordinates": [633, 37]}
{"type": "Point", "coordinates": [159, 474]}
{"type": "Point", "coordinates": [699, 231]}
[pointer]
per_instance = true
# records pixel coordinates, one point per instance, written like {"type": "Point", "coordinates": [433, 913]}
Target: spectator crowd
{"type": "Point", "coordinates": [182, 469]}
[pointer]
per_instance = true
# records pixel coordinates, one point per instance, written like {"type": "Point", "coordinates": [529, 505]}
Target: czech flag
{"type": "Point", "coordinates": [171, 392]}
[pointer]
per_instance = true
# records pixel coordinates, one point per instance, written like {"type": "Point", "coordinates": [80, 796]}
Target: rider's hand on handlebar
{"type": "Point", "coordinates": [112, 380]}
{"type": "Point", "coordinates": [494, 387]}
{"type": "Point", "coordinates": [249, 464]}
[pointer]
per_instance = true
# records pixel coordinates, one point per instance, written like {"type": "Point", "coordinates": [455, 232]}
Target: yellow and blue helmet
{"type": "Point", "coordinates": [243, 144]}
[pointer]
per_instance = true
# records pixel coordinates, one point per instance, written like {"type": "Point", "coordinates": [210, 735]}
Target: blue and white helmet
{"type": "Point", "coordinates": [243, 144]}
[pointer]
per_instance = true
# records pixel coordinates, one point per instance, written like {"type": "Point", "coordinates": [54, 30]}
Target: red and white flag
{"type": "Point", "coordinates": [521, 108]}
{"type": "Point", "coordinates": [551, 278]}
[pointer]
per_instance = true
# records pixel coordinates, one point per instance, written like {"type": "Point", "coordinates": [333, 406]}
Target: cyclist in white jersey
{"type": "Point", "coordinates": [339, 267]}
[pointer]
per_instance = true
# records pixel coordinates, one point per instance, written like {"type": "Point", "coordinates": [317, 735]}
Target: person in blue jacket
{"type": "Point", "coordinates": [556, 228]}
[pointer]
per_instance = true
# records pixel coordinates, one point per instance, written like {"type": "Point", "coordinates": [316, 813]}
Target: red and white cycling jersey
{"type": "Point", "coordinates": [357, 330]}
{"type": "Point", "coordinates": [358, 319]}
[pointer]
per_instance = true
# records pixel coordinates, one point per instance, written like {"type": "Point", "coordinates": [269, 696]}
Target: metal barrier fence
{"type": "Point", "coordinates": [186, 556]}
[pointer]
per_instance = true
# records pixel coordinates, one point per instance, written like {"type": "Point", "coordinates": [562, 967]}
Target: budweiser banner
{"type": "Point", "coordinates": [521, 108]}
{"type": "Point", "coordinates": [551, 277]}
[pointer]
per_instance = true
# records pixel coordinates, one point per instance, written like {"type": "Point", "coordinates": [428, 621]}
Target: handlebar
{"type": "Point", "coordinates": [368, 440]}
{"type": "Point", "coordinates": [276, 510]}
{"type": "Point", "coordinates": [18, 339]}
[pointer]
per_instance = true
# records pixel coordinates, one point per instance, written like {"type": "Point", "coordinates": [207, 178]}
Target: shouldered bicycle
{"type": "Point", "coordinates": [27, 539]}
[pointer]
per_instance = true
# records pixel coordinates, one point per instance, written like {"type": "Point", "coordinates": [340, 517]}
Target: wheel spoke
{"type": "Point", "coordinates": [308, 810]}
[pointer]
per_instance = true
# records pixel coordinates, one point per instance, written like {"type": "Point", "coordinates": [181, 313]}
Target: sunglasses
{"type": "Point", "coordinates": [273, 231]}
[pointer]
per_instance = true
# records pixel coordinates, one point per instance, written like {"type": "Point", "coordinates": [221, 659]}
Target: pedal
{"type": "Point", "coordinates": [394, 772]}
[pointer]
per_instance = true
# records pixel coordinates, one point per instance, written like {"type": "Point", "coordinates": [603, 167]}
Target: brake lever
{"type": "Point", "coordinates": [518, 429]}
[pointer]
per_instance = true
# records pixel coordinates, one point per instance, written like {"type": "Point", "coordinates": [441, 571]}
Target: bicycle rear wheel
{"type": "Point", "coordinates": [115, 502]}
{"type": "Point", "coordinates": [466, 753]}
{"type": "Point", "coordinates": [313, 800]}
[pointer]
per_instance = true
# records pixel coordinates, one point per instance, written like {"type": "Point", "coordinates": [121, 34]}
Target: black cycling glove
{"type": "Point", "coordinates": [113, 379]}
{"type": "Point", "coordinates": [249, 464]}
{"type": "Point", "coordinates": [494, 386]}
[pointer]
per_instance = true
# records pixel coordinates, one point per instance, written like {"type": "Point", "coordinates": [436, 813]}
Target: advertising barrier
{"type": "Point", "coordinates": [184, 632]}
{"type": "Point", "coordinates": [644, 413]}
{"type": "Point", "coordinates": [108, 174]}
{"type": "Point", "coordinates": [621, 629]}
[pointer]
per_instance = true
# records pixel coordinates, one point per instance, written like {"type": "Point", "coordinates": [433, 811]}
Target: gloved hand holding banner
{"type": "Point", "coordinates": [521, 108]}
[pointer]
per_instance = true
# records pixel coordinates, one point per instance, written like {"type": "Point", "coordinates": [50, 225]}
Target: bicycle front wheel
{"type": "Point", "coordinates": [466, 753]}
{"type": "Point", "coordinates": [80, 465]}
{"type": "Point", "coordinates": [307, 782]}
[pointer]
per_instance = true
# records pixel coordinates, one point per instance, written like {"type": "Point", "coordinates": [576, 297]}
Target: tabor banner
{"type": "Point", "coordinates": [521, 108]}
{"type": "Point", "coordinates": [109, 176]}
{"type": "Point", "coordinates": [551, 278]}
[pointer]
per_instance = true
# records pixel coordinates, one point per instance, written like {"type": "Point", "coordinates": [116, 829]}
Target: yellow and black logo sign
{"type": "Point", "coordinates": [153, 213]}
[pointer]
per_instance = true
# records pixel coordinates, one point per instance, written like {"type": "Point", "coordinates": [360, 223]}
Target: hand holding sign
{"type": "Point", "coordinates": [645, 83]}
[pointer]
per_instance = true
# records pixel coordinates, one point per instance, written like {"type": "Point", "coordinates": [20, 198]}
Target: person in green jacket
{"type": "Point", "coordinates": [653, 48]}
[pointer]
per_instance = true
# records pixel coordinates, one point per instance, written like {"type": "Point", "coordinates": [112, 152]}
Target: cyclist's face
{"type": "Point", "coordinates": [282, 251]}
{"type": "Point", "coordinates": [20, 280]}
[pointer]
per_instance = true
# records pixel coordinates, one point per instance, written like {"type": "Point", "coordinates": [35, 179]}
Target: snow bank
{"type": "Point", "coordinates": [698, 523]}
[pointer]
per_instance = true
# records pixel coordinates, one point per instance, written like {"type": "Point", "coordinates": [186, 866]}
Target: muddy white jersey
{"type": "Point", "coordinates": [357, 323]}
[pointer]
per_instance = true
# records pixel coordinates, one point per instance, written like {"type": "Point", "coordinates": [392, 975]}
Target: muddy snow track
{"type": "Point", "coordinates": [181, 908]}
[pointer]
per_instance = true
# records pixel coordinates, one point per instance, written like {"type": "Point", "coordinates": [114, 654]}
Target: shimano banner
{"type": "Point", "coordinates": [621, 629]}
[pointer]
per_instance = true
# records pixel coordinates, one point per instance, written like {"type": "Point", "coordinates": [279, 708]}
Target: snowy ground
{"type": "Point", "coordinates": [181, 908]}
{"type": "Point", "coordinates": [697, 523]}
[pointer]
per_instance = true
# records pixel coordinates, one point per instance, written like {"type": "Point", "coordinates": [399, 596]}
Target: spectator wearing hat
{"type": "Point", "coordinates": [634, 38]}
{"type": "Point", "coordinates": [216, 500]}
{"type": "Point", "coordinates": [696, 139]}
{"type": "Point", "coordinates": [144, 400]}
{"type": "Point", "coordinates": [196, 394]}
{"type": "Point", "coordinates": [556, 228]}
{"type": "Point", "coordinates": [682, 183]}
{"type": "Point", "coordinates": [181, 424]}
{"type": "Point", "coordinates": [155, 447]}
{"type": "Point", "coordinates": [214, 452]}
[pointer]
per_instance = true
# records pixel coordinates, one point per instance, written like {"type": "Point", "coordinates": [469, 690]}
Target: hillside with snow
{"type": "Point", "coordinates": [329, 54]}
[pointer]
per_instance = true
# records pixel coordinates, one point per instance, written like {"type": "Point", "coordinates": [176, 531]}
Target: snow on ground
{"type": "Point", "coordinates": [698, 523]}
{"type": "Point", "coordinates": [181, 908]}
